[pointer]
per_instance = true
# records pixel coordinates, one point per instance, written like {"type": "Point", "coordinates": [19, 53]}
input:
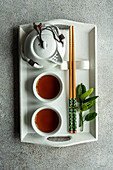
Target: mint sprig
{"type": "Point", "coordinates": [85, 103]}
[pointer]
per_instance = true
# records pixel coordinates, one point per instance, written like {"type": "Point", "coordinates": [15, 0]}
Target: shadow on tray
{"type": "Point", "coordinates": [16, 83]}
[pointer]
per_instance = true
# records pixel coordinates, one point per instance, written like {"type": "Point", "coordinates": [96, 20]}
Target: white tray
{"type": "Point", "coordinates": [86, 50]}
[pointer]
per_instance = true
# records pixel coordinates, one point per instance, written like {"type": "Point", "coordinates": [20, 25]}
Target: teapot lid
{"type": "Point", "coordinates": [49, 47]}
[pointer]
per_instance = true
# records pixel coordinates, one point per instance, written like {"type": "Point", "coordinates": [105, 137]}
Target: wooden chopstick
{"type": "Point", "coordinates": [73, 63]}
{"type": "Point", "coordinates": [73, 83]}
{"type": "Point", "coordinates": [70, 85]}
{"type": "Point", "coordinates": [70, 65]}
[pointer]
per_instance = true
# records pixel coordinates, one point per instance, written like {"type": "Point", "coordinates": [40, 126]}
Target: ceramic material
{"type": "Point", "coordinates": [86, 50]}
{"type": "Point", "coordinates": [40, 132]}
{"type": "Point", "coordinates": [35, 91]}
{"type": "Point", "coordinates": [47, 57]}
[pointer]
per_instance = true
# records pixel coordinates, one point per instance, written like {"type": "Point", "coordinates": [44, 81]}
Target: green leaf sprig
{"type": "Point", "coordinates": [85, 103]}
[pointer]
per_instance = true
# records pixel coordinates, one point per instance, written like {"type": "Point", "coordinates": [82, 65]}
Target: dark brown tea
{"type": "Point", "coordinates": [47, 120]}
{"type": "Point", "coordinates": [48, 87]}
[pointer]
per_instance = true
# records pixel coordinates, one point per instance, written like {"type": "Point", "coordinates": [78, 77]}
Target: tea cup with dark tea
{"type": "Point", "coordinates": [46, 121]}
{"type": "Point", "coordinates": [47, 86]}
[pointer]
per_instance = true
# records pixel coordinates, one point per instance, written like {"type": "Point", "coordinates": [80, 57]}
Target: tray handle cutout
{"type": "Point", "coordinates": [59, 138]}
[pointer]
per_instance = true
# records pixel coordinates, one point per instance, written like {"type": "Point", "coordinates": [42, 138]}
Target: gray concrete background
{"type": "Point", "coordinates": [20, 156]}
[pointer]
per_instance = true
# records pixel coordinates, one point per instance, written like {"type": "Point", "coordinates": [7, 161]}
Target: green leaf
{"type": "Point", "coordinates": [86, 94]}
{"type": "Point", "coordinates": [78, 109]}
{"type": "Point", "coordinates": [79, 92]}
{"type": "Point", "coordinates": [84, 107]}
{"type": "Point", "coordinates": [91, 104]}
{"type": "Point", "coordinates": [90, 116]}
{"type": "Point", "coordinates": [87, 106]}
{"type": "Point", "coordinates": [90, 99]}
{"type": "Point", "coordinates": [83, 88]}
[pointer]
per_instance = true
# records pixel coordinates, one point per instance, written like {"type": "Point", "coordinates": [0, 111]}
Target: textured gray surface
{"type": "Point", "coordinates": [16, 155]}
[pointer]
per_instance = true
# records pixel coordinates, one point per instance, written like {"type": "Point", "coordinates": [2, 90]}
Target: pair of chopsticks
{"type": "Point", "coordinates": [72, 84]}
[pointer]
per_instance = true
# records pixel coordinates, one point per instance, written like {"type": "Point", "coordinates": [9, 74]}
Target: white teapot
{"type": "Point", "coordinates": [44, 47]}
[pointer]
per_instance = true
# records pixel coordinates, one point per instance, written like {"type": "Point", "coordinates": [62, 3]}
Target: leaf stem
{"type": "Point", "coordinates": [82, 125]}
{"type": "Point", "coordinates": [81, 121]}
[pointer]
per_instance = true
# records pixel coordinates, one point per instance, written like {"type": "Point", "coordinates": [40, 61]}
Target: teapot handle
{"type": "Point", "coordinates": [30, 61]}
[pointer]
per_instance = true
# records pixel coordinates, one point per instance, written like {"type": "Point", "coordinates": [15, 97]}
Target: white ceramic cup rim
{"type": "Point", "coordinates": [43, 133]}
{"type": "Point", "coordinates": [36, 80]}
